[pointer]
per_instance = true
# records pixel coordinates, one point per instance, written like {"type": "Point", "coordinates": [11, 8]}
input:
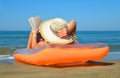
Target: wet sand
{"type": "Point", "coordinates": [96, 69]}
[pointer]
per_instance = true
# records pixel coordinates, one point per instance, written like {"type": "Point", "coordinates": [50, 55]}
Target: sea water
{"type": "Point", "coordinates": [111, 38]}
{"type": "Point", "coordinates": [12, 40]}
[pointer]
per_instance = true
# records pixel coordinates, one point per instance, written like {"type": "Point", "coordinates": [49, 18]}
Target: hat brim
{"type": "Point", "coordinates": [49, 36]}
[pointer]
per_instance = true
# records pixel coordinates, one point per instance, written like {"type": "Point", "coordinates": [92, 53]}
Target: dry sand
{"type": "Point", "coordinates": [101, 69]}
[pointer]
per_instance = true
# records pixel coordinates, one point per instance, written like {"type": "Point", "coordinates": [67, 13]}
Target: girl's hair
{"type": "Point", "coordinates": [39, 37]}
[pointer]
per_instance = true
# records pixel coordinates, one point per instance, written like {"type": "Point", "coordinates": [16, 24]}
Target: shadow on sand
{"type": "Point", "coordinates": [88, 64]}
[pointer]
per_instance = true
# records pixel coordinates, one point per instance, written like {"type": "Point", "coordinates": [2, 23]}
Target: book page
{"type": "Point", "coordinates": [34, 22]}
{"type": "Point", "coordinates": [31, 24]}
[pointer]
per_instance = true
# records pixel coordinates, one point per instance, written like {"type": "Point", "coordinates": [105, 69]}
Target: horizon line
{"type": "Point", "coordinates": [76, 30]}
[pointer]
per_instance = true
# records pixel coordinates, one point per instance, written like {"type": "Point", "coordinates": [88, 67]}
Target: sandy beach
{"type": "Point", "coordinates": [96, 69]}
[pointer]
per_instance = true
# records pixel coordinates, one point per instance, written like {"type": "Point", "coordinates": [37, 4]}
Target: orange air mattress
{"type": "Point", "coordinates": [53, 54]}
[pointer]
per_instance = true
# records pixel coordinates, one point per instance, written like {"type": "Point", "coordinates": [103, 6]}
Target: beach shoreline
{"type": "Point", "coordinates": [93, 69]}
{"type": "Point", "coordinates": [109, 67]}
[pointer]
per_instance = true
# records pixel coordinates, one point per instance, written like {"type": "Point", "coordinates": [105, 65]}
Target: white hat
{"type": "Point", "coordinates": [49, 28]}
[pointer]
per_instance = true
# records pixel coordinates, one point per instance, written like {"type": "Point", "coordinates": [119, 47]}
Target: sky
{"type": "Point", "coordinates": [90, 15]}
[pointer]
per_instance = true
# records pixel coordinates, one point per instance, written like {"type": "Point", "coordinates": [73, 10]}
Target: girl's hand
{"type": "Point", "coordinates": [34, 32]}
{"type": "Point", "coordinates": [62, 33]}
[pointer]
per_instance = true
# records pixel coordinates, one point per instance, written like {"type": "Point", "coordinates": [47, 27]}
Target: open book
{"type": "Point", "coordinates": [34, 22]}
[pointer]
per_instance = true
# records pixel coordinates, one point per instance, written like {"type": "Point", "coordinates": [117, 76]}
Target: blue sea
{"type": "Point", "coordinates": [12, 40]}
{"type": "Point", "coordinates": [18, 39]}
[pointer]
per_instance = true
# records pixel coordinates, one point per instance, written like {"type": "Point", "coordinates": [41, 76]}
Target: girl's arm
{"type": "Point", "coordinates": [29, 46]}
{"type": "Point", "coordinates": [72, 27]}
{"type": "Point", "coordinates": [32, 41]}
{"type": "Point", "coordinates": [67, 31]}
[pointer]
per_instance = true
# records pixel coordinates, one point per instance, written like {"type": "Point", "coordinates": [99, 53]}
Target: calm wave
{"type": "Point", "coordinates": [11, 40]}
{"type": "Point", "coordinates": [111, 38]}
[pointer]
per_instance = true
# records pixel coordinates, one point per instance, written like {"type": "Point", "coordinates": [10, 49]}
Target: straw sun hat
{"type": "Point", "coordinates": [48, 30]}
